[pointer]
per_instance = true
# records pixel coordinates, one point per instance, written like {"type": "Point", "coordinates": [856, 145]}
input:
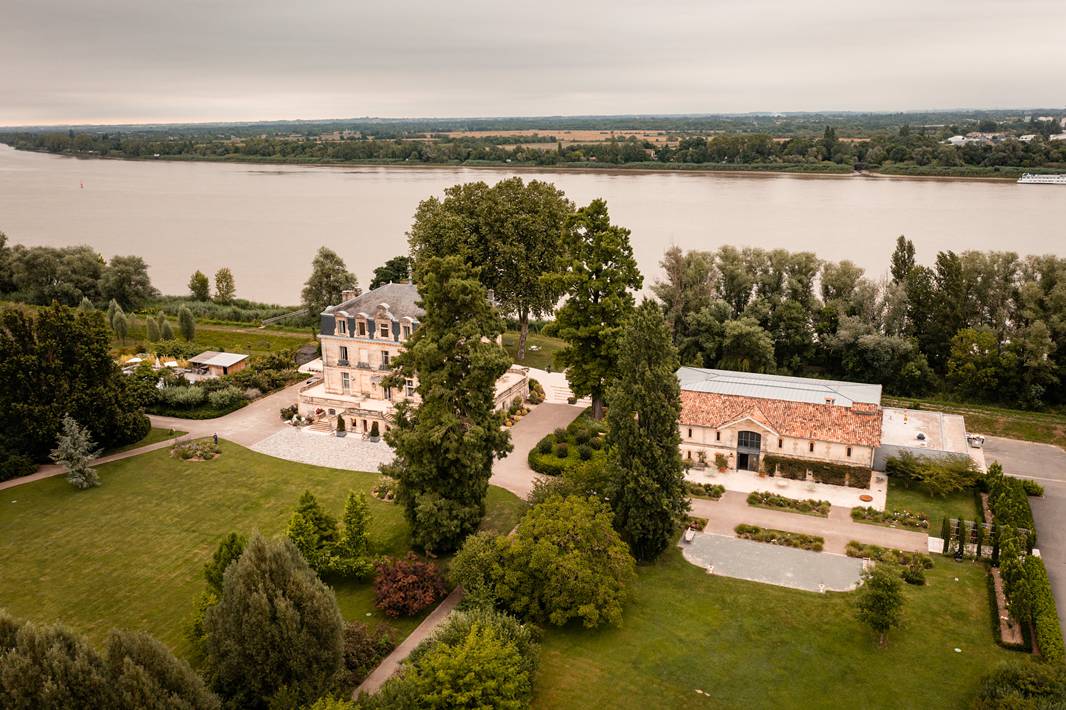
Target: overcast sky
{"type": "Point", "coordinates": [126, 61]}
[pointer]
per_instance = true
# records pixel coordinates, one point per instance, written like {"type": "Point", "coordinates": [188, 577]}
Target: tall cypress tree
{"type": "Point", "coordinates": [445, 445]}
{"type": "Point", "coordinates": [599, 272]}
{"type": "Point", "coordinates": [643, 437]}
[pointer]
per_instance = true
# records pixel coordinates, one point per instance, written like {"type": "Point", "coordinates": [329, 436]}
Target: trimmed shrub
{"type": "Point", "coordinates": [766, 499]}
{"type": "Point", "coordinates": [406, 587]}
{"type": "Point", "coordinates": [914, 573]}
{"type": "Point", "coordinates": [780, 537]}
{"type": "Point", "coordinates": [545, 445]}
{"type": "Point", "coordinates": [1046, 627]}
{"type": "Point", "coordinates": [596, 443]}
{"type": "Point", "coordinates": [892, 518]}
{"type": "Point", "coordinates": [888, 555]}
{"type": "Point", "coordinates": [1032, 488]}
{"type": "Point", "coordinates": [183, 397]}
{"type": "Point", "coordinates": [562, 451]}
{"type": "Point", "coordinates": [225, 397]}
{"type": "Point", "coordinates": [584, 452]}
{"type": "Point", "coordinates": [714, 491]}
{"type": "Point", "coordinates": [1023, 684]}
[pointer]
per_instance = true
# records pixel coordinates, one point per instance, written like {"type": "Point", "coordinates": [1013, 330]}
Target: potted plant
{"type": "Point", "coordinates": [720, 461]}
{"type": "Point", "coordinates": [342, 429]}
{"type": "Point", "coordinates": [375, 433]}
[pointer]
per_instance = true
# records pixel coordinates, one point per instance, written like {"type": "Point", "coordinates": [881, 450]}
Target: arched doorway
{"type": "Point", "coordinates": [749, 445]}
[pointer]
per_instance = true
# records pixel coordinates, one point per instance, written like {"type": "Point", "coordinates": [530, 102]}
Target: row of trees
{"type": "Point", "coordinates": [904, 145]}
{"type": "Point", "coordinates": [986, 325]}
{"type": "Point", "coordinates": [225, 286]}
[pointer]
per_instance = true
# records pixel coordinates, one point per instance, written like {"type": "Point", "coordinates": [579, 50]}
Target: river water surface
{"type": "Point", "coordinates": [265, 222]}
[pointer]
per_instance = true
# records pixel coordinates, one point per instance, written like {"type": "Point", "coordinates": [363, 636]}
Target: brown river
{"type": "Point", "coordinates": [265, 222]}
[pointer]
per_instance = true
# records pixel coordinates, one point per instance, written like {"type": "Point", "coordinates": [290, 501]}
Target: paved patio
{"type": "Point", "coordinates": [351, 453]}
{"type": "Point", "coordinates": [772, 564]}
{"type": "Point", "coordinates": [748, 481]}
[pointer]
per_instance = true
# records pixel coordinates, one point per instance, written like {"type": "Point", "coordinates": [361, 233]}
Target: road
{"type": "Point", "coordinates": [1047, 465]}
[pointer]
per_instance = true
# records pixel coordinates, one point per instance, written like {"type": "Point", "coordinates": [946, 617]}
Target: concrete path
{"type": "Point", "coordinates": [392, 662]}
{"type": "Point", "coordinates": [838, 529]}
{"type": "Point", "coordinates": [1047, 465]}
{"type": "Point", "coordinates": [773, 564]}
{"type": "Point", "coordinates": [247, 426]}
{"type": "Point", "coordinates": [513, 472]}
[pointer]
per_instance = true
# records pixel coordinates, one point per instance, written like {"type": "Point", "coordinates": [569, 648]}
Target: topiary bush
{"type": "Point", "coordinates": [407, 586]}
{"type": "Point", "coordinates": [584, 452]}
{"type": "Point", "coordinates": [545, 445]}
{"type": "Point", "coordinates": [562, 451]}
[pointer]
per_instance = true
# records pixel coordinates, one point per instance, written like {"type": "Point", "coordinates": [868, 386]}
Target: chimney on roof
{"type": "Point", "coordinates": [347, 295]}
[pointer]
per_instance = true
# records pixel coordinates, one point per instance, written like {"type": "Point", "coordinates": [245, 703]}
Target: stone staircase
{"type": "Point", "coordinates": [322, 426]}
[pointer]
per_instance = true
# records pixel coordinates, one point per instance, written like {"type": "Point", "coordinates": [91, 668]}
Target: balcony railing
{"type": "Point", "coordinates": [363, 365]}
{"type": "Point", "coordinates": [342, 362]}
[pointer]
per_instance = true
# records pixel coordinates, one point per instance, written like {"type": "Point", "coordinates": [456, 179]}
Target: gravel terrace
{"type": "Point", "coordinates": [351, 453]}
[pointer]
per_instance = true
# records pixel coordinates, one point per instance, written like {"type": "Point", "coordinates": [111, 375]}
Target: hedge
{"type": "Point", "coordinates": [579, 442]}
{"type": "Point", "coordinates": [766, 499]}
{"type": "Point", "coordinates": [837, 474]}
{"type": "Point", "coordinates": [887, 555]}
{"type": "Point", "coordinates": [779, 537]}
{"type": "Point", "coordinates": [1045, 617]}
{"type": "Point", "coordinates": [1009, 503]}
{"type": "Point", "coordinates": [902, 518]}
{"type": "Point", "coordinates": [714, 491]}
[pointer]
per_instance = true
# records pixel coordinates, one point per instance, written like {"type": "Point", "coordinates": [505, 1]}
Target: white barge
{"type": "Point", "coordinates": [1031, 179]}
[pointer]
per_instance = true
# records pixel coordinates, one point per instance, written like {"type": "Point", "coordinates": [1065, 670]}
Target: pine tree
{"type": "Point", "coordinates": [354, 542]}
{"type": "Point", "coordinates": [166, 332]}
{"type": "Point", "coordinates": [963, 534]}
{"type": "Point", "coordinates": [151, 326]}
{"type": "Point", "coordinates": [879, 604]}
{"type": "Point", "coordinates": [187, 324]}
{"type": "Point", "coordinates": [599, 274]}
{"type": "Point", "coordinates": [276, 628]}
{"type": "Point", "coordinates": [147, 675]}
{"type": "Point", "coordinates": [76, 451]}
{"type": "Point", "coordinates": [945, 533]}
{"type": "Point", "coordinates": [227, 552]}
{"type": "Point", "coordinates": [445, 446]}
{"type": "Point", "coordinates": [643, 438]}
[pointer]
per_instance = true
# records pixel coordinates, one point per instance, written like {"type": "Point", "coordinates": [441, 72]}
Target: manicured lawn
{"type": "Point", "coordinates": [957, 505]}
{"type": "Point", "coordinates": [130, 553]}
{"type": "Point", "coordinates": [151, 437]}
{"type": "Point", "coordinates": [543, 358]}
{"type": "Point", "coordinates": [750, 645]}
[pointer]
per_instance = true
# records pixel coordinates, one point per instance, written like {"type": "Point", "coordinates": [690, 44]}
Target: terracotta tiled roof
{"type": "Point", "coordinates": [800, 420]}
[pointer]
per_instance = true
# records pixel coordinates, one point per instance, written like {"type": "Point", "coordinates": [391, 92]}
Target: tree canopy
{"type": "Point", "coordinates": [395, 270]}
{"type": "Point", "coordinates": [329, 278]}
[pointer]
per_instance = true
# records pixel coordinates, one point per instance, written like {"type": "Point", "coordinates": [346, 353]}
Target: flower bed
{"type": "Point", "coordinates": [714, 491]}
{"type": "Point", "coordinates": [891, 518]}
{"type": "Point", "coordinates": [384, 489]}
{"type": "Point", "coordinates": [695, 522]}
{"type": "Point", "coordinates": [780, 537]}
{"type": "Point", "coordinates": [887, 555]}
{"type": "Point", "coordinates": [809, 506]}
{"type": "Point", "coordinates": [200, 450]}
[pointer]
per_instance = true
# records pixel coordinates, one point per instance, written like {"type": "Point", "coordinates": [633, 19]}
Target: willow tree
{"type": "Point", "coordinates": [445, 445]}
{"type": "Point", "coordinates": [643, 439]}
{"type": "Point", "coordinates": [600, 274]}
{"type": "Point", "coordinates": [513, 232]}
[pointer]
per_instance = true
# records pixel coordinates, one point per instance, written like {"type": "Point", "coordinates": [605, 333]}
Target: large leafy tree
{"type": "Point", "coordinates": [56, 363]}
{"type": "Point", "coordinates": [513, 231]}
{"type": "Point", "coordinates": [45, 274]}
{"type": "Point", "coordinates": [329, 278]}
{"type": "Point", "coordinates": [199, 286]}
{"type": "Point", "coordinates": [126, 281]}
{"type": "Point", "coordinates": [600, 274]}
{"type": "Point", "coordinates": [446, 443]}
{"type": "Point", "coordinates": [225, 285]}
{"type": "Point", "coordinates": [746, 346]}
{"type": "Point", "coordinates": [395, 270]}
{"type": "Point", "coordinates": [643, 439]}
{"type": "Point", "coordinates": [879, 603]}
{"type": "Point", "coordinates": [277, 628]}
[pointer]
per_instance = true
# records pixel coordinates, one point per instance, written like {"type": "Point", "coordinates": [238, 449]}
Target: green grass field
{"type": "Point", "coordinates": [151, 437]}
{"type": "Point", "coordinates": [130, 553]}
{"type": "Point", "coordinates": [250, 340]}
{"type": "Point", "coordinates": [961, 505]}
{"type": "Point", "coordinates": [542, 358]}
{"type": "Point", "coordinates": [750, 645]}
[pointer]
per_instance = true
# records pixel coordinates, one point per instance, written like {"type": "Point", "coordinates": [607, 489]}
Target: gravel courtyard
{"type": "Point", "coordinates": [350, 452]}
{"type": "Point", "coordinates": [773, 564]}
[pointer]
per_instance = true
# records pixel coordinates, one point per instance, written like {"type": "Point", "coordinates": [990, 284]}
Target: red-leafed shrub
{"type": "Point", "coordinates": [406, 587]}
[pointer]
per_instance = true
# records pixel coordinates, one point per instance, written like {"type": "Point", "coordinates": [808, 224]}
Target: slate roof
{"type": "Point", "coordinates": [793, 407]}
{"type": "Point", "coordinates": [402, 300]}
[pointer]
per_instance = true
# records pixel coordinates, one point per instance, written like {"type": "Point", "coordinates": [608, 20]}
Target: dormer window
{"type": "Point", "coordinates": [384, 330]}
{"type": "Point", "coordinates": [406, 332]}
{"type": "Point", "coordinates": [362, 328]}
{"type": "Point", "coordinates": [342, 327]}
